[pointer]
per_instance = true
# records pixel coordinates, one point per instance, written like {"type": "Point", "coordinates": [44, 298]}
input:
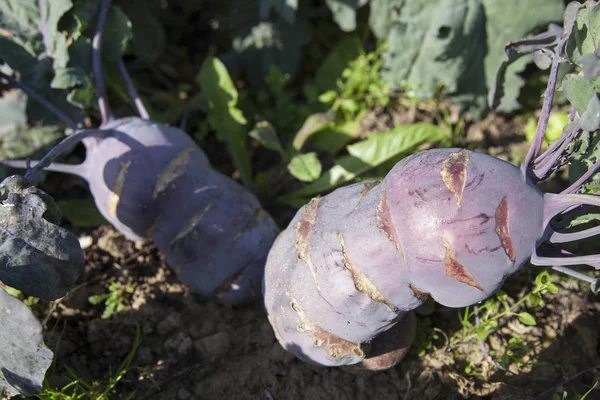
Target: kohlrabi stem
{"type": "Point", "coordinates": [132, 91]}
{"type": "Point", "coordinates": [44, 28]}
{"type": "Point", "coordinates": [544, 164]}
{"type": "Point", "coordinates": [542, 125]}
{"type": "Point", "coordinates": [73, 169]}
{"type": "Point", "coordinates": [576, 186]}
{"type": "Point", "coordinates": [105, 111]}
{"type": "Point", "coordinates": [45, 103]}
{"type": "Point", "coordinates": [575, 274]}
{"type": "Point", "coordinates": [60, 148]}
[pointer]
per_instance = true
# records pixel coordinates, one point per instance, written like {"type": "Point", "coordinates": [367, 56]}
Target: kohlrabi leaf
{"type": "Point", "coordinates": [579, 90]}
{"type": "Point", "coordinates": [224, 116]}
{"type": "Point", "coordinates": [33, 45]}
{"type": "Point", "coordinates": [149, 37]}
{"type": "Point", "coordinates": [305, 167]}
{"type": "Point", "coordinates": [460, 44]}
{"type": "Point", "coordinates": [285, 8]}
{"type": "Point", "coordinates": [382, 15]}
{"type": "Point", "coordinates": [586, 32]}
{"type": "Point", "coordinates": [344, 12]}
{"type": "Point", "coordinates": [24, 359]}
{"type": "Point", "coordinates": [24, 141]}
{"type": "Point", "coordinates": [268, 43]}
{"type": "Point", "coordinates": [12, 111]}
{"type": "Point", "coordinates": [370, 153]}
{"type": "Point", "coordinates": [37, 256]}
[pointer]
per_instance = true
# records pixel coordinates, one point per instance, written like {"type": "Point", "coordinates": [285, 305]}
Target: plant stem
{"type": "Point", "coordinates": [132, 91]}
{"type": "Point", "coordinates": [105, 111]}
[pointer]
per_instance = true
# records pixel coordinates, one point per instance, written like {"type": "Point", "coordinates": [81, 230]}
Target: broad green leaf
{"type": "Point", "coordinates": [379, 148]}
{"type": "Point", "coordinates": [266, 135]}
{"type": "Point", "coordinates": [381, 16]}
{"type": "Point", "coordinates": [24, 358]}
{"type": "Point", "coordinates": [117, 34]}
{"type": "Point", "coordinates": [579, 90]}
{"type": "Point", "coordinates": [461, 44]}
{"type": "Point", "coordinates": [590, 119]}
{"type": "Point", "coordinates": [24, 141]}
{"type": "Point", "coordinates": [81, 212]}
{"type": "Point", "coordinates": [590, 65]}
{"type": "Point", "coordinates": [224, 116]}
{"type": "Point", "coordinates": [587, 30]}
{"type": "Point", "coordinates": [12, 111]}
{"type": "Point", "coordinates": [526, 318]}
{"type": "Point", "coordinates": [375, 150]}
{"type": "Point", "coordinates": [305, 167]}
{"type": "Point", "coordinates": [149, 37]}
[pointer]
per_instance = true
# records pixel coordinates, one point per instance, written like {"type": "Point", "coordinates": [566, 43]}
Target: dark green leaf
{"type": "Point", "coordinates": [24, 359]}
{"type": "Point", "coordinates": [590, 119]}
{"type": "Point", "coordinates": [37, 256]}
{"type": "Point", "coordinates": [305, 167]}
{"type": "Point", "coordinates": [266, 135]}
{"type": "Point", "coordinates": [579, 91]}
{"type": "Point", "coordinates": [117, 34]}
{"type": "Point", "coordinates": [149, 37]}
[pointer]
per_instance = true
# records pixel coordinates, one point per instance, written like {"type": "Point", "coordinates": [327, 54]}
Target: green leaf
{"type": "Point", "coordinates": [375, 150]}
{"type": "Point", "coordinates": [224, 116]}
{"type": "Point", "coordinates": [587, 30]}
{"type": "Point", "coordinates": [12, 111]}
{"type": "Point", "coordinates": [334, 138]}
{"type": "Point", "coordinates": [461, 44]}
{"type": "Point", "coordinates": [590, 119]}
{"type": "Point", "coordinates": [117, 34]}
{"type": "Point", "coordinates": [266, 135]}
{"type": "Point", "coordinates": [579, 90]}
{"type": "Point", "coordinates": [67, 78]}
{"type": "Point", "coordinates": [347, 49]}
{"type": "Point", "coordinates": [590, 65]}
{"type": "Point", "coordinates": [526, 318]}
{"type": "Point", "coordinates": [81, 212]}
{"type": "Point", "coordinates": [313, 124]}
{"type": "Point", "coordinates": [149, 37]}
{"type": "Point", "coordinates": [482, 332]}
{"type": "Point", "coordinates": [305, 167]}
{"type": "Point", "coordinates": [23, 141]}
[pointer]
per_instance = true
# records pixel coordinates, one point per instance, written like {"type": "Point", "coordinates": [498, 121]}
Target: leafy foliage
{"type": "Point", "coordinates": [224, 116]}
{"type": "Point", "coordinates": [459, 44]}
{"type": "Point", "coordinates": [115, 300]}
{"type": "Point", "coordinates": [37, 256]}
{"type": "Point", "coordinates": [24, 358]}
